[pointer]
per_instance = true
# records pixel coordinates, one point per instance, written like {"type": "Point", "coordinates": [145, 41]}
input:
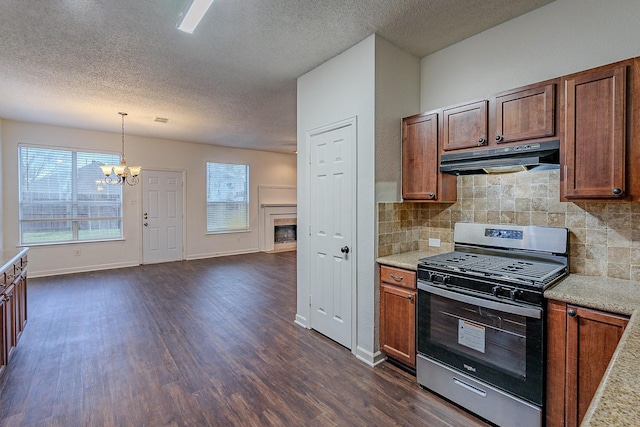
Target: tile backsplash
{"type": "Point", "coordinates": [604, 237]}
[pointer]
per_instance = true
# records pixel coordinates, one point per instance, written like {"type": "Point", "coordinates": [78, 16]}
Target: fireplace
{"type": "Point", "coordinates": [279, 225]}
{"type": "Point", "coordinates": [284, 234]}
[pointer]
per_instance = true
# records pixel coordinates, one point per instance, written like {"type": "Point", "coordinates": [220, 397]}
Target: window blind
{"type": "Point", "coordinates": [63, 197]}
{"type": "Point", "coordinates": [227, 197]}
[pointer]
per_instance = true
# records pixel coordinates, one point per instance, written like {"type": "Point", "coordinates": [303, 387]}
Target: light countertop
{"type": "Point", "coordinates": [407, 260]}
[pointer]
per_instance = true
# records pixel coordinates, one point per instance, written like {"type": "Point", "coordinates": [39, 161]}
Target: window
{"type": "Point", "coordinates": [227, 197]}
{"type": "Point", "coordinates": [63, 197]}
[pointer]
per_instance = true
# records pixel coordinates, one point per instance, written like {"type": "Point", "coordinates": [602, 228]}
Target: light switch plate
{"type": "Point", "coordinates": [434, 242]}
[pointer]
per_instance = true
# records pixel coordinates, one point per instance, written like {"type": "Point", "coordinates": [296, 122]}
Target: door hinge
{"type": "Point", "coordinates": [309, 300]}
{"type": "Point", "coordinates": [309, 229]}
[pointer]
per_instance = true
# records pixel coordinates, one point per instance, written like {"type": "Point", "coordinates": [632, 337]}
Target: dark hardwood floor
{"type": "Point", "coordinates": [196, 343]}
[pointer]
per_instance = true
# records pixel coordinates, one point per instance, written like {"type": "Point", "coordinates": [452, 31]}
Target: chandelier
{"type": "Point", "coordinates": [122, 172]}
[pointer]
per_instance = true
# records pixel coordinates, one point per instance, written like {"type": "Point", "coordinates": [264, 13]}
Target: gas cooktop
{"type": "Point", "coordinates": [493, 265]}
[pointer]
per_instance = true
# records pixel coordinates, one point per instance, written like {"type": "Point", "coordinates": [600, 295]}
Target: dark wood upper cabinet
{"type": "Point", "coordinates": [464, 126]}
{"type": "Point", "coordinates": [525, 113]}
{"type": "Point", "coordinates": [421, 177]}
{"type": "Point", "coordinates": [594, 107]}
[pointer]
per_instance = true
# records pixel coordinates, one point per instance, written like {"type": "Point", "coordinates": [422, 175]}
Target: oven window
{"type": "Point", "coordinates": [496, 338]}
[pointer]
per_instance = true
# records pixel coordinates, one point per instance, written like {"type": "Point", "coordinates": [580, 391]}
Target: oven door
{"type": "Point", "coordinates": [499, 343]}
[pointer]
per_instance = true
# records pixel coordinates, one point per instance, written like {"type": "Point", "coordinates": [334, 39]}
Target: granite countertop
{"type": "Point", "coordinates": [616, 400]}
{"type": "Point", "coordinates": [407, 260]}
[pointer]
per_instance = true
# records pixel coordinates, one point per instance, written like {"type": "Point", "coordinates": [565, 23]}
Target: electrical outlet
{"type": "Point", "coordinates": [434, 242]}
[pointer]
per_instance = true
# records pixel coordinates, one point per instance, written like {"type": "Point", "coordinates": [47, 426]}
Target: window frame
{"type": "Point", "coordinates": [74, 204]}
{"type": "Point", "coordinates": [245, 203]}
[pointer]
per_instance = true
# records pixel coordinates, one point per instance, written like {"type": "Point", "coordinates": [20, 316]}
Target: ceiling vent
{"type": "Point", "coordinates": [161, 120]}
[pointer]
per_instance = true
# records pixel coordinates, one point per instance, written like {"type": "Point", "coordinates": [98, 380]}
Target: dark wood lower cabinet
{"type": "Point", "coordinates": [580, 344]}
{"type": "Point", "coordinates": [398, 314]}
{"type": "Point", "coordinates": [13, 306]}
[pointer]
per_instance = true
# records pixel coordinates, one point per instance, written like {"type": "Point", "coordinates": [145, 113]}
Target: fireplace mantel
{"type": "Point", "coordinates": [278, 205]}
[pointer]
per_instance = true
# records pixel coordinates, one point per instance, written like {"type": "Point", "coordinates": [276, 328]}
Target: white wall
{"type": "Point", "coordinates": [265, 168]}
{"type": "Point", "coordinates": [1, 192]}
{"type": "Point", "coordinates": [341, 88]}
{"type": "Point", "coordinates": [397, 96]}
{"type": "Point", "coordinates": [560, 38]}
{"type": "Point", "coordinates": [379, 84]}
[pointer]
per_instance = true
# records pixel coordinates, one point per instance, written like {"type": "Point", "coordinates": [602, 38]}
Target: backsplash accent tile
{"type": "Point", "coordinates": [604, 237]}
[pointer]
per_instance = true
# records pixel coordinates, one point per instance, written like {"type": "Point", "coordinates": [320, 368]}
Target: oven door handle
{"type": "Point", "coordinates": [535, 313]}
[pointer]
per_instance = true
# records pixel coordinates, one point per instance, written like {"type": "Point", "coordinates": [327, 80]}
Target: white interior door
{"type": "Point", "coordinates": [332, 209]}
{"type": "Point", "coordinates": [161, 216]}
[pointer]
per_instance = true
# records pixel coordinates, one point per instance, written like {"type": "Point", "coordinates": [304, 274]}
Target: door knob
{"type": "Point", "coordinates": [344, 249]}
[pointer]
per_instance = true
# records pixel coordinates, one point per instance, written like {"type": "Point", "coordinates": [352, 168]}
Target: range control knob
{"type": "Point", "coordinates": [514, 293]}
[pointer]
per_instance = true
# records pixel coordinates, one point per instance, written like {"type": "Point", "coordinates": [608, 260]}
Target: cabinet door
{"type": "Point", "coordinates": [525, 113]}
{"type": "Point", "coordinates": [556, 362]}
{"type": "Point", "coordinates": [3, 334]}
{"type": "Point", "coordinates": [397, 323]}
{"type": "Point", "coordinates": [9, 321]}
{"type": "Point", "coordinates": [20, 296]}
{"type": "Point", "coordinates": [420, 157]}
{"type": "Point", "coordinates": [594, 117]}
{"type": "Point", "coordinates": [464, 126]}
{"type": "Point", "coordinates": [592, 338]}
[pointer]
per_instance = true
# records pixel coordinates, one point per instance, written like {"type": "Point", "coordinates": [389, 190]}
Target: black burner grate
{"type": "Point", "coordinates": [533, 270]}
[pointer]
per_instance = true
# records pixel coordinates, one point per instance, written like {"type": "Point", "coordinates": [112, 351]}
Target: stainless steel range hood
{"type": "Point", "coordinates": [511, 158]}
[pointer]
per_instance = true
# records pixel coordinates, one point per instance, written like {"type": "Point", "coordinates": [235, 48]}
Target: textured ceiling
{"type": "Point", "coordinates": [232, 82]}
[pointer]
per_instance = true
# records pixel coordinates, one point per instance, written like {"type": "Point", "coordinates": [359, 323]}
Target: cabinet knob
{"type": "Point", "coordinates": [571, 312]}
{"type": "Point", "coordinates": [432, 196]}
{"type": "Point", "coordinates": [481, 141]}
{"type": "Point", "coordinates": [344, 249]}
{"type": "Point", "coordinates": [410, 297]}
{"type": "Point", "coordinates": [617, 191]}
{"type": "Point", "coordinates": [499, 138]}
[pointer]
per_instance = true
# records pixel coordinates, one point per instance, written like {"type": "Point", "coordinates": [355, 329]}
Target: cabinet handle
{"type": "Point", "coordinates": [432, 196]}
{"type": "Point", "coordinates": [499, 138]}
{"type": "Point", "coordinates": [410, 297]}
{"type": "Point", "coordinates": [571, 312]}
{"type": "Point", "coordinates": [397, 278]}
{"type": "Point", "coordinates": [617, 191]}
{"type": "Point", "coordinates": [481, 141]}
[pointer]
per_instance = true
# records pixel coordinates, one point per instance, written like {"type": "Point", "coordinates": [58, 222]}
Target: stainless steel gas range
{"type": "Point", "coordinates": [481, 322]}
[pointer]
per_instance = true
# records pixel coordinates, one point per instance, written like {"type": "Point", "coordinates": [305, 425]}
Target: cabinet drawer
{"type": "Point", "coordinates": [398, 277]}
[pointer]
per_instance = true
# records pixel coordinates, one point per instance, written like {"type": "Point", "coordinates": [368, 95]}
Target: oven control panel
{"type": "Point", "coordinates": [486, 287]}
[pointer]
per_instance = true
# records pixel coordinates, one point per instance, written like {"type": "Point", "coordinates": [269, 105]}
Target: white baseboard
{"type": "Point", "coordinates": [301, 321]}
{"type": "Point", "coordinates": [221, 254]}
{"type": "Point", "coordinates": [371, 359]}
{"type": "Point", "coordinates": [82, 269]}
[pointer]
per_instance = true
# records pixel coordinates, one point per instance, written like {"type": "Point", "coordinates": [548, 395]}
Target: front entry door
{"type": "Point", "coordinates": [161, 216]}
{"type": "Point", "coordinates": [332, 213]}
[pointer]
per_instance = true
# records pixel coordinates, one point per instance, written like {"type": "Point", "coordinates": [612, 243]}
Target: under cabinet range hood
{"type": "Point", "coordinates": [511, 158]}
